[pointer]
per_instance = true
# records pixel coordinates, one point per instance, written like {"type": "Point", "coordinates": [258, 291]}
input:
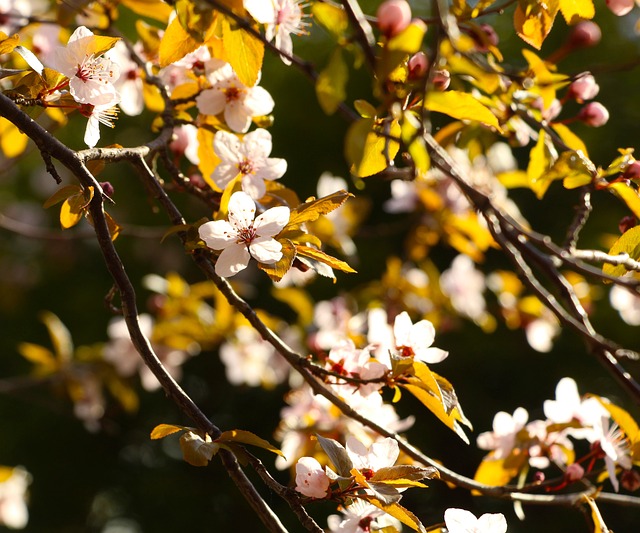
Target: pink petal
{"type": "Point", "coordinates": [226, 146]}
{"type": "Point", "coordinates": [237, 117]}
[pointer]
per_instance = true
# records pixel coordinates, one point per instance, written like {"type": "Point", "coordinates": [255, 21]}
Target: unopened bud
{"type": "Point", "coordinates": [574, 472]}
{"type": "Point", "coordinates": [484, 37]}
{"type": "Point", "coordinates": [594, 114]}
{"type": "Point", "coordinates": [585, 34]}
{"type": "Point", "coordinates": [584, 88]}
{"type": "Point", "coordinates": [620, 7]}
{"type": "Point", "coordinates": [107, 188]}
{"type": "Point", "coordinates": [626, 223]}
{"type": "Point", "coordinates": [630, 480]}
{"type": "Point", "coordinates": [632, 172]}
{"type": "Point", "coordinates": [417, 65]}
{"type": "Point", "coordinates": [441, 80]}
{"type": "Point", "coordinates": [197, 181]}
{"type": "Point", "coordinates": [538, 477]}
{"type": "Point", "coordinates": [393, 16]}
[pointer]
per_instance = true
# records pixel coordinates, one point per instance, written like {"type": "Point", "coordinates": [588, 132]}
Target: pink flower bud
{"type": "Point", "coordinates": [594, 114]}
{"type": "Point", "coordinates": [574, 472]}
{"type": "Point", "coordinates": [626, 223]}
{"type": "Point", "coordinates": [630, 480]}
{"type": "Point", "coordinates": [441, 80]}
{"type": "Point", "coordinates": [620, 7]}
{"type": "Point", "coordinates": [418, 65]}
{"type": "Point", "coordinates": [585, 34]}
{"type": "Point", "coordinates": [107, 188]}
{"type": "Point", "coordinates": [393, 16]}
{"type": "Point", "coordinates": [311, 479]}
{"type": "Point", "coordinates": [632, 172]}
{"type": "Point", "coordinates": [584, 88]}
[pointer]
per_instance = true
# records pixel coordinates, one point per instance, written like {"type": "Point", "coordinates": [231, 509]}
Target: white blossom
{"type": "Point", "coordinates": [463, 521]}
{"type": "Point", "coordinates": [13, 492]}
{"type": "Point", "coordinates": [248, 157]}
{"type": "Point", "coordinates": [241, 237]}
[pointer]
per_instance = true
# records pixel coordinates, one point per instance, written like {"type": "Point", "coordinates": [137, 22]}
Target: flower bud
{"type": "Point", "coordinates": [574, 472]}
{"type": "Point", "coordinates": [417, 65]}
{"type": "Point", "coordinates": [441, 80]}
{"type": "Point", "coordinates": [107, 188]}
{"type": "Point", "coordinates": [584, 88]}
{"type": "Point", "coordinates": [620, 7]}
{"type": "Point", "coordinates": [632, 172]}
{"type": "Point", "coordinates": [585, 34]}
{"type": "Point", "coordinates": [630, 480]}
{"type": "Point", "coordinates": [594, 114]}
{"type": "Point", "coordinates": [393, 16]}
{"type": "Point", "coordinates": [626, 223]}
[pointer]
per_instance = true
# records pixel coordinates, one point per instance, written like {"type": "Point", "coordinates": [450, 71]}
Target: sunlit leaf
{"type": "Point", "coordinates": [598, 522]}
{"type": "Point", "coordinates": [628, 194]}
{"type": "Point", "coordinates": [397, 511]}
{"type": "Point", "coordinates": [60, 336]}
{"type": "Point", "coordinates": [176, 43]}
{"type": "Point", "coordinates": [331, 17]}
{"type": "Point", "coordinates": [495, 472]}
{"type": "Point", "coordinates": [155, 9]}
{"type": "Point", "coordinates": [462, 106]}
{"type": "Point", "coordinates": [546, 81]}
{"type": "Point", "coordinates": [574, 11]}
{"type": "Point", "coordinates": [244, 52]}
{"type": "Point", "coordinates": [401, 474]}
{"type": "Point", "coordinates": [7, 44]}
{"type": "Point", "coordinates": [331, 84]}
{"type": "Point", "coordinates": [312, 209]}
{"type": "Point", "coordinates": [627, 243]}
{"type": "Point", "coordinates": [277, 270]}
{"type": "Point", "coordinates": [570, 139]}
{"type": "Point", "coordinates": [540, 160]}
{"type": "Point", "coordinates": [367, 147]}
{"type": "Point", "coordinates": [164, 430]}
{"type": "Point", "coordinates": [196, 450]}
{"type": "Point", "coordinates": [38, 355]}
{"type": "Point", "coordinates": [337, 455]}
{"type": "Point", "coordinates": [246, 437]}
{"type": "Point", "coordinates": [62, 194]}
{"type": "Point", "coordinates": [321, 256]}
{"type": "Point", "coordinates": [533, 20]}
{"type": "Point", "coordinates": [12, 141]}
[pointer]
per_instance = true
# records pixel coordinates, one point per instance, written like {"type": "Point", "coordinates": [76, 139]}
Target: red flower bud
{"type": "Point", "coordinates": [585, 34]}
{"type": "Point", "coordinates": [584, 88]}
{"type": "Point", "coordinates": [620, 7]}
{"type": "Point", "coordinates": [417, 66]}
{"type": "Point", "coordinates": [594, 114]}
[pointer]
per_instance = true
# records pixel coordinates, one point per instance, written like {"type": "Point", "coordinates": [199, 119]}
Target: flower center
{"type": "Point", "coordinates": [233, 93]}
{"type": "Point", "coordinates": [92, 68]}
{"type": "Point", "coordinates": [367, 473]}
{"type": "Point", "coordinates": [246, 235]}
{"type": "Point", "coordinates": [365, 523]}
{"type": "Point", "coordinates": [406, 351]}
{"type": "Point", "coordinates": [245, 167]}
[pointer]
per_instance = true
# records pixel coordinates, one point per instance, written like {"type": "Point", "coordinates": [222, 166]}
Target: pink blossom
{"type": "Point", "coordinates": [311, 479]}
{"type": "Point", "coordinates": [415, 340]}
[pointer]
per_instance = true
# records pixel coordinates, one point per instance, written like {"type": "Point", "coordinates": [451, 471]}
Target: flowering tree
{"type": "Point", "coordinates": [452, 142]}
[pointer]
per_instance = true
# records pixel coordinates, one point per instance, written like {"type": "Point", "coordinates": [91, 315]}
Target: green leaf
{"type": "Point", "coordinates": [164, 430]}
{"type": "Point", "coordinates": [331, 84]}
{"type": "Point", "coordinates": [337, 455]}
{"type": "Point", "coordinates": [246, 437]}
{"type": "Point", "coordinates": [244, 52]}
{"type": "Point", "coordinates": [461, 106]}
{"type": "Point", "coordinates": [367, 147]}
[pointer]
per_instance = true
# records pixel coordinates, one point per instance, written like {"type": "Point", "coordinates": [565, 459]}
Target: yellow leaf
{"type": "Point", "coordinates": [319, 255]}
{"type": "Point", "coordinates": [624, 420]}
{"type": "Point", "coordinates": [196, 450]}
{"type": "Point", "coordinates": [155, 9]}
{"type": "Point", "coordinates": [72, 210]}
{"type": "Point", "coordinates": [462, 106]}
{"type": "Point", "coordinates": [12, 141]}
{"type": "Point", "coordinates": [196, 17]}
{"type": "Point", "coordinates": [513, 179]}
{"type": "Point", "coordinates": [628, 194]}
{"type": "Point", "coordinates": [574, 11]}
{"type": "Point", "coordinates": [60, 336]}
{"type": "Point", "coordinates": [457, 63]}
{"type": "Point", "coordinates": [397, 511]}
{"type": "Point", "coordinates": [279, 269]}
{"type": "Point", "coordinates": [627, 243]}
{"type": "Point", "coordinates": [367, 149]}
{"type": "Point", "coordinates": [246, 437]}
{"type": "Point", "coordinates": [312, 209]}
{"type": "Point", "coordinates": [400, 47]}
{"type": "Point", "coordinates": [533, 20]}
{"type": "Point", "coordinates": [163, 430]}
{"type": "Point", "coordinates": [331, 17]}
{"type": "Point", "coordinates": [38, 355]}
{"type": "Point", "coordinates": [7, 44]}
{"type": "Point", "coordinates": [546, 82]}
{"type": "Point", "coordinates": [540, 160]}
{"type": "Point", "coordinates": [495, 473]}
{"type": "Point", "coordinates": [244, 52]}
{"type": "Point", "coordinates": [62, 194]}
{"type": "Point", "coordinates": [570, 139]}
{"type": "Point", "coordinates": [175, 43]}
{"type": "Point", "coordinates": [331, 83]}
{"type": "Point", "coordinates": [598, 522]}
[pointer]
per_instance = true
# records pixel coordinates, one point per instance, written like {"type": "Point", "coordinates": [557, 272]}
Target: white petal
{"type": "Point", "coordinates": [232, 260]}
{"type": "Point", "coordinates": [266, 251]}
{"type": "Point", "coordinates": [223, 174]}
{"type": "Point", "coordinates": [237, 117]}
{"type": "Point", "coordinates": [492, 523]}
{"type": "Point", "coordinates": [92, 133]}
{"type": "Point", "coordinates": [253, 186]}
{"type": "Point", "coordinates": [80, 33]}
{"type": "Point", "coordinates": [272, 221]}
{"type": "Point", "coordinates": [211, 102]}
{"type": "Point", "coordinates": [257, 144]}
{"type": "Point", "coordinates": [258, 102]}
{"type": "Point", "coordinates": [226, 146]}
{"type": "Point", "coordinates": [272, 169]}
{"type": "Point", "coordinates": [402, 328]}
{"type": "Point", "coordinates": [460, 521]}
{"type": "Point", "coordinates": [218, 234]}
{"type": "Point", "coordinates": [30, 58]}
{"type": "Point", "coordinates": [422, 334]}
{"type": "Point", "coordinates": [242, 210]}
{"type": "Point", "coordinates": [262, 10]}
{"type": "Point", "coordinates": [430, 355]}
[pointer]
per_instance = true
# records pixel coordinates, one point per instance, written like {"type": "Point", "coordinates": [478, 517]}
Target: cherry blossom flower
{"type": "Point", "coordinates": [627, 303]}
{"type": "Point", "coordinates": [311, 478]}
{"type": "Point", "coordinates": [121, 353]}
{"type": "Point", "coordinates": [91, 77]}
{"type": "Point", "coordinates": [380, 454]}
{"type": "Point", "coordinates": [13, 491]}
{"type": "Point", "coordinates": [361, 517]}
{"type": "Point", "coordinates": [98, 114]}
{"type": "Point", "coordinates": [241, 237]}
{"type": "Point", "coordinates": [414, 340]}
{"type": "Point", "coordinates": [464, 285]}
{"type": "Point", "coordinates": [345, 359]}
{"type": "Point", "coordinates": [503, 437]}
{"type": "Point", "coordinates": [249, 157]}
{"type": "Point", "coordinates": [283, 18]}
{"type": "Point", "coordinates": [185, 141]}
{"type": "Point", "coordinates": [230, 96]}
{"type": "Point", "coordinates": [463, 521]}
{"type": "Point", "coordinates": [129, 83]}
{"type": "Point", "coordinates": [615, 446]}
